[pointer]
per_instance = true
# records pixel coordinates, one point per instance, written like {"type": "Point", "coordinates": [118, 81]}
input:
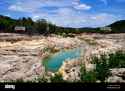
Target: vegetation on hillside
{"type": "Point", "coordinates": [118, 27]}
{"type": "Point", "coordinates": [42, 26]}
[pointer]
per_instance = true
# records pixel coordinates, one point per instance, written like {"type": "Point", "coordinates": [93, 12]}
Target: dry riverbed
{"type": "Point", "coordinates": [21, 55]}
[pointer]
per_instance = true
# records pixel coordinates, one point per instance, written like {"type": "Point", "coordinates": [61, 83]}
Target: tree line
{"type": "Point", "coordinates": [42, 26]}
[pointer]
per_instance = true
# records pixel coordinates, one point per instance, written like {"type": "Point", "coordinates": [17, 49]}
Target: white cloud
{"type": "Point", "coordinates": [63, 17]}
{"type": "Point", "coordinates": [16, 8]}
{"type": "Point", "coordinates": [103, 19]}
{"type": "Point", "coordinates": [35, 17]}
{"type": "Point", "coordinates": [69, 18]}
{"type": "Point", "coordinates": [67, 12]}
{"type": "Point", "coordinates": [101, 16]}
{"type": "Point", "coordinates": [25, 6]}
{"type": "Point", "coordinates": [82, 7]}
{"type": "Point", "coordinates": [37, 5]}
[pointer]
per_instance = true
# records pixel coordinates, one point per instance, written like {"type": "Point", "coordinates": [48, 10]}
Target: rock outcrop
{"type": "Point", "coordinates": [20, 60]}
{"type": "Point", "coordinates": [117, 75]}
{"type": "Point", "coordinates": [70, 70]}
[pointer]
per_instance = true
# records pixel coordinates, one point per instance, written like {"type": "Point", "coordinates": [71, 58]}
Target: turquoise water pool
{"type": "Point", "coordinates": [54, 62]}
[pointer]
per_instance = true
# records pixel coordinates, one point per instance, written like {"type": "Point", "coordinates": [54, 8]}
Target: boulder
{"type": "Point", "coordinates": [114, 79]}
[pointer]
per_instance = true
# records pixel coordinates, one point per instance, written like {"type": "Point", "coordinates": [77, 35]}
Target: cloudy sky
{"type": "Point", "coordinates": [68, 13]}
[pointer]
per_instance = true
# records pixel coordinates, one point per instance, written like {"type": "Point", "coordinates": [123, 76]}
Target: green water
{"type": "Point", "coordinates": [54, 62]}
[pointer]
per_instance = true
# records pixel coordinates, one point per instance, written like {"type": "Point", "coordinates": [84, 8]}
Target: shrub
{"type": "Point", "coordinates": [41, 80]}
{"type": "Point", "coordinates": [57, 78]}
{"type": "Point", "coordinates": [102, 70]}
{"type": "Point", "coordinates": [117, 60]}
{"type": "Point", "coordinates": [82, 72]}
{"type": "Point", "coordinates": [87, 76]}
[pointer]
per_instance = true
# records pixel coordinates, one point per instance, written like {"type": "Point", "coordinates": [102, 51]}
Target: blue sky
{"type": "Point", "coordinates": [68, 13]}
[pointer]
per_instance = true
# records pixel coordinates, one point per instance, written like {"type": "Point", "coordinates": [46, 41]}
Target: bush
{"type": "Point", "coordinates": [57, 78]}
{"type": "Point", "coordinates": [117, 60]}
{"type": "Point", "coordinates": [102, 70]}
{"type": "Point", "coordinates": [82, 72]}
{"type": "Point", "coordinates": [87, 77]}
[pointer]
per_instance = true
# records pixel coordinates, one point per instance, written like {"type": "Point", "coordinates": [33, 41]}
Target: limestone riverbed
{"type": "Point", "coordinates": [21, 55]}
